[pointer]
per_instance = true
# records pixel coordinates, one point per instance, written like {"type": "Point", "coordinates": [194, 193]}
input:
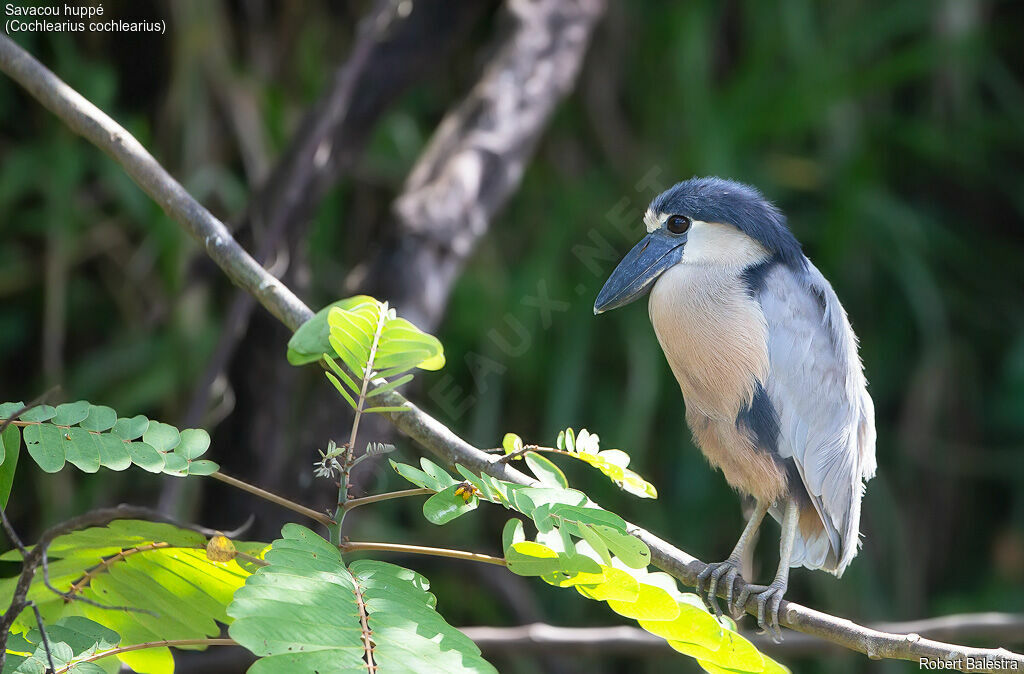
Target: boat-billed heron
{"type": "Point", "coordinates": [768, 366]}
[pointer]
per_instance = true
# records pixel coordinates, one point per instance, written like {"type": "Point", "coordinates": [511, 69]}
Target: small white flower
{"type": "Point", "coordinates": [328, 463]}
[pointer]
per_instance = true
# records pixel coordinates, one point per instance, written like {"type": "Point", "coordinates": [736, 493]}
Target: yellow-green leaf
{"type": "Point", "coordinates": [652, 603]}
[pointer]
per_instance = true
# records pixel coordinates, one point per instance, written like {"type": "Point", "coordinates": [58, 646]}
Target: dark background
{"type": "Point", "coordinates": [890, 132]}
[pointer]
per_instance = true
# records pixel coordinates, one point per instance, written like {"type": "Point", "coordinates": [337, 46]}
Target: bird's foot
{"type": "Point", "coordinates": [768, 601]}
{"type": "Point", "coordinates": [726, 574]}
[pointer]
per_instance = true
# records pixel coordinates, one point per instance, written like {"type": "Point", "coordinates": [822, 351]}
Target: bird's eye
{"type": "Point", "coordinates": [678, 224]}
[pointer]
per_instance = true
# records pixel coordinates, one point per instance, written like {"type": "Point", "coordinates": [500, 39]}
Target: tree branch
{"type": "Point", "coordinates": [331, 137]}
{"type": "Point", "coordinates": [93, 124]}
{"type": "Point", "coordinates": [87, 120]}
{"type": "Point", "coordinates": [475, 160]}
{"type": "Point", "coordinates": [542, 638]}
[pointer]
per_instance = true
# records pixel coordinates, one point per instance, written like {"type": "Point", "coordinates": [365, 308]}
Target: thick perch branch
{"type": "Point", "coordinates": [87, 120]}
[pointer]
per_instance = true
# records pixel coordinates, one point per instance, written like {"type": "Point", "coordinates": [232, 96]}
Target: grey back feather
{"type": "Point", "coordinates": [826, 417]}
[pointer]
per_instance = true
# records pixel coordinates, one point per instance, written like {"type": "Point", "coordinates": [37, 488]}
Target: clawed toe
{"type": "Point", "coordinates": [768, 602]}
{"type": "Point", "coordinates": [721, 573]}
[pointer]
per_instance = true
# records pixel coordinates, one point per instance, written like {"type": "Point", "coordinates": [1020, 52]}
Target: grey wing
{"type": "Point", "coordinates": [826, 417]}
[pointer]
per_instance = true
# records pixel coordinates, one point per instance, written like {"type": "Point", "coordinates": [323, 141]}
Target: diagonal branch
{"type": "Point", "coordinates": [331, 137]}
{"type": "Point", "coordinates": [87, 120]}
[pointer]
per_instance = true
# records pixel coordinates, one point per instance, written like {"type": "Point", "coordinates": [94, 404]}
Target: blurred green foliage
{"type": "Point", "coordinates": [891, 133]}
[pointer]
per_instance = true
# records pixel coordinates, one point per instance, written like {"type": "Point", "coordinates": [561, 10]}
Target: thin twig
{"type": "Point", "coordinates": [84, 118]}
{"type": "Point", "coordinates": [172, 643]}
{"type": "Point", "coordinates": [377, 498]}
{"type": "Point", "coordinates": [518, 453]}
{"type": "Point", "coordinates": [74, 596]}
{"type": "Point", "coordinates": [252, 560]}
{"type": "Point", "coordinates": [273, 498]}
{"type": "Point", "coordinates": [283, 200]}
{"type": "Point", "coordinates": [348, 456]}
{"type": "Point", "coordinates": [355, 546]}
{"type": "Point", "coordinates": [42, 635]}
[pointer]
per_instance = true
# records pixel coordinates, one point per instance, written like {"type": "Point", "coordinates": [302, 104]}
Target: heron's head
{"type": "Point", "coordinates": [701, 220]}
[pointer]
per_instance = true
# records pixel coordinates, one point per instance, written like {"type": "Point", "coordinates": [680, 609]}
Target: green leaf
{"type": "Point", "coordinates": [310, 341]}
{"type": "Point", "coordinates": [527, 558]}
{"type": "Point", "coordinates": [70, 639]}
{"type": "Point", "coordinates": [511, 443]}
{"type": "Point", "coordinates": [341, 389]}
{"type": "Point", "coordinates": [512, 533]}
{"type": "Point", "coordinates": [343, 376]}
{"type": "Point", "coordinates": [70, 414]}
{"type": "Point", "coordinates": [10, 450]}
{"type": "Point", "coordinates": [437, 472]}
{"type": "Point", "coordinates": [202, 467]}
{"type": "Point", "coordinates": [633, 552]}
{"type": "Point", "coordinates": [548, 473]}
{"type": "Point", "coordinates": [114, 452]}
{"type": "Point", "coordinates": [144, 565]}
{"type": "Point", "coordinates": [81, 449]}
{"type": "Point", "coordinates": [39, 413]}
{"type": "Point", "coordinates": [390, 386]}
{"type": "Point", "coordinates": [575, 570]}
{"type": "Point", "coordinates": [145, 456]}
{"type": "Point", "coordinates": [402, 336]}
{"type": "Point", "coordinates": [616, 586]}
{"type": "Point", "coordinates": [161, 437]}
{"type": "Point", "coordinates": [418, 477]}
{"type": "Point", "coordinates": [652, 603]}
{"type": "Point", "coordinates": [301, 614]}
{"type": "Point", "coordinates": [449, 504]}
{"type": "Point", "coordinates": [8, 410]}
{"type": "Point", "coordinates": [101, 439]}
{"type": "Point", "coordinates": [175, 464]}
{"type": "Point", "coordinates": [46, 446]}
{"type": "Point", "coordinates": [100, 419]}
{"type": "Point", "coordinates": [194, 443]}
{"type": "Point", "coordinates": [611, 462]}
{"type": "Point", "coordinates": [596, 543]}
{"type": "Point", "coordinates": [692, 625]}
{"type": "Point", "coordinates": [130, 429]}
{"type": "Point", "coordinates": [574, 515]}
{"type": "Point", "coordinates": [733, 653]}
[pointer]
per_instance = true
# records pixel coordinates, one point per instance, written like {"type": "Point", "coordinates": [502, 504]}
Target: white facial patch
{"type": "Point", "coordinates": [716, 243]}
{"type": "Point", "coordinates": [653, 221]}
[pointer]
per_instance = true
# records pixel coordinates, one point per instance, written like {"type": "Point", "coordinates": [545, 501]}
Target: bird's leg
{"type": "Point", "coordinates": [726, 572]}
{"type": "Point", "coordinates": [769, 598]}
